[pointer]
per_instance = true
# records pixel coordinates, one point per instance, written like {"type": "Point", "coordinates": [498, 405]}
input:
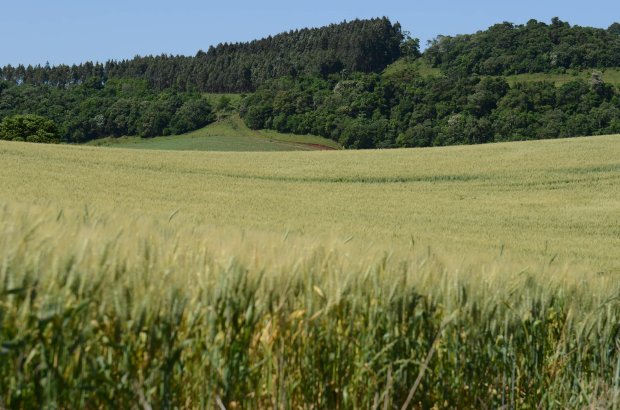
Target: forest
{"type": "Point", "coordinates": [161, 95]}
{"type": "Point", "coordinates": [471, 101]}
{"type": "Point", "coordinates": [94, 110]}
{"type": "Point", "coordinates": [536, 47]}
{"type": "Point", "coordinates": [369, 111]}
{"type": "Point", "coordinates": [330, 82]}
{"type": "Point", "coordinates": [359, 45]}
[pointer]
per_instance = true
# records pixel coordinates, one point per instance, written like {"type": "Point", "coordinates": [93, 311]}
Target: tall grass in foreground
{"type": "Point", "coordinates": [101, 310]}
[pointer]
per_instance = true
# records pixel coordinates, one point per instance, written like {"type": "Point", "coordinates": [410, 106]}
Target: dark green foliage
{"type": "Point", "coordinates": [359, 45]}
{"type": "Point", "coordinates": [30, 128]}
{"type": "Point", "coordinates": [370, 111]}
{"type": "Point", "coordinates": [325, 82]}
{"type": "Point", "coordinates": [224, 103]}
{"type": "Point", "coordinates": [150, 96]}
{"type": "Point", "coordinates": [410, 47]}
{"type": "Point", "coordinates": [118, 107]}
{"type": "Point", "coordinates": [193, 114]}
{"type": "Point", "coordinates": [535, 47]}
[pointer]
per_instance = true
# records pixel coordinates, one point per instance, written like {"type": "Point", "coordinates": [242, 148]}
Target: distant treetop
{"type": "Point", "coordinates": [534, 47]}
{"type": "Point", "coordinates": [358, 45]}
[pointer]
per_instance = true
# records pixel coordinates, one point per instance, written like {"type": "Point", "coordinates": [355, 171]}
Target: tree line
{"type": "Point", "coordinates": [372, 111]}
{"type": "Point", "coordinates": [358, 45]}
{"type": "Point", "coordinates": [327, 81]}
{"type": "Point", "coordinates": [534, 47]}
{"type": "Point", "coordinates": [471, 102]}
{"type": "Point", "coordinates": [94, 110]}
{"type": "Point", "coordinates": [160, 95]}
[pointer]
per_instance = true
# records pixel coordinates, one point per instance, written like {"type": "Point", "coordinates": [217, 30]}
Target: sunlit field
{"type": "Point", "coordinates": [227, 134]}
{"type": "Point", "coordinates": [531, 198]}
{"type": "Point", "coordinates": [461, 277]}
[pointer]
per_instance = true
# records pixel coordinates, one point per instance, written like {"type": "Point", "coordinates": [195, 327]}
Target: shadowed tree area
{"type": "Point", "coordinates": [30, 128]}
{"type": "Point", "coordinates": [358, 45]}
{"type": "Point", "coordinates": [330, 82]}
{"type": "Point", "coordinates": [534, 47]}
{"type": "Point", "coordinates": [372, 111]}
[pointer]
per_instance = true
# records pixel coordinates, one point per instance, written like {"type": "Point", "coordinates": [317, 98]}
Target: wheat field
{"type": "Point", "coordinates": [532, 198]}
{"type": "Point", "coordinates": [460, 277]}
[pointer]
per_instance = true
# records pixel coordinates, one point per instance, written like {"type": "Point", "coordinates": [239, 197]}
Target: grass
{"type": "Point", "coordinates": [227, 134]}
{"type": "Point", "coordinates": [406, 70]}
{"type": "Point", "coordinates": [610, 75]}
{"type": "Point", "coordinates": [234, 99]}
{"type": "Point", "coordinates": [457, 277]}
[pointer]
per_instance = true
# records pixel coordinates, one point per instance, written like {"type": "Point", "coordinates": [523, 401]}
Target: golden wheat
{"type": "Point", "coordinates": [454, 277]}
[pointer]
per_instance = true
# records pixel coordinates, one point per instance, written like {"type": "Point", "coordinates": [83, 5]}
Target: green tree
{"type": "Point", "coordinates": [193, 114]}
{"type": "Point", "coordinates": [410, 47]}
{"type": "Point", "coordinates": [30, 128]}
{"type": "Point", "coordinates": [153, 121]}
{"type": "Point", "coordinates": [223, 103]}
{"type": "Point", "coordinates": [420, 135]}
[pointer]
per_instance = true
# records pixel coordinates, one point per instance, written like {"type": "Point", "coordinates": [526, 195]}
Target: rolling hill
{"type": "Point", "coordinates": [488, 273]}
{"type": "Point", "coordinates": [227, 134]}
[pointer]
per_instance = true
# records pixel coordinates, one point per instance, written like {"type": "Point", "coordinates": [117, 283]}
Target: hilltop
{"type": "Point", "coordinates": [358, 45]}
{"type": "Point", "coordinates": [360, 84]}
{"type": "Point", "coordinates": [534, 47]}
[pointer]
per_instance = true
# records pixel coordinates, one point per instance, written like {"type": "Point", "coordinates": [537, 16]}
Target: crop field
{"type": "Point", "coordinates": [228, 134]}
{"type": "Point", "coordinates": [459, 277]}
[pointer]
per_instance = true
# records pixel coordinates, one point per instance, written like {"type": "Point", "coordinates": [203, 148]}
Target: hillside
{"type": "Point", "coordinates": [161, 95]}
{"type": "Point", "coordinates": [412, 105]}
{"type": "Point", "coordinates": [361, 84]}
{"type": "Point", "coordinates": [534, 47]}
{"type": "Point", "coordinates": [227, 134]}
{"type": "Point", "coordinates": [403, 70]}
{"type": "Point", "coordinates": [358, 45]}
{"type": "Point", "coordinates": [510, 82]}
{"type": "Point", "coordinates": [93, 110]}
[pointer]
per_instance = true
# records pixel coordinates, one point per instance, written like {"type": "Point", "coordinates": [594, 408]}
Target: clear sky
{"type": "Point", "coordinates": [72, 31]}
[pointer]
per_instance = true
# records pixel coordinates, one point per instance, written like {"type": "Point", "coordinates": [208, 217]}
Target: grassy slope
{"type": "Point", "coordinates": [234, 99]}
{"type": "Point", "coordinates": [227, 134]}
{"type": "Point", "coordinates": [534, 198]}
{"type": "Point", "coordinates": [610, 75]}
{"type": "Point", "coordinates": [403, 69]}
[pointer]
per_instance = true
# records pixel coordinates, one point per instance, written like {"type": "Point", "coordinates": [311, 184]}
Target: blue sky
{"type": "Point", "coordinates": [72, 31]}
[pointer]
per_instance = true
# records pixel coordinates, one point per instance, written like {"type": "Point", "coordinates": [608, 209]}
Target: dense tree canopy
{"type": "Point", "coordinates": [368, 110]}
{"type": "Point", "coordinates": [359, 45]}
{"type": "Point", "coordinates": [469, 103]}
{"type": "Point", "coordinates": [327, 81]}
{"type": "Point", "coordinates": [30, 128]}
{"type": "Point", "coordinates": [120, 107]}
{"type": "Point", "coordinates": [506, 49]}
